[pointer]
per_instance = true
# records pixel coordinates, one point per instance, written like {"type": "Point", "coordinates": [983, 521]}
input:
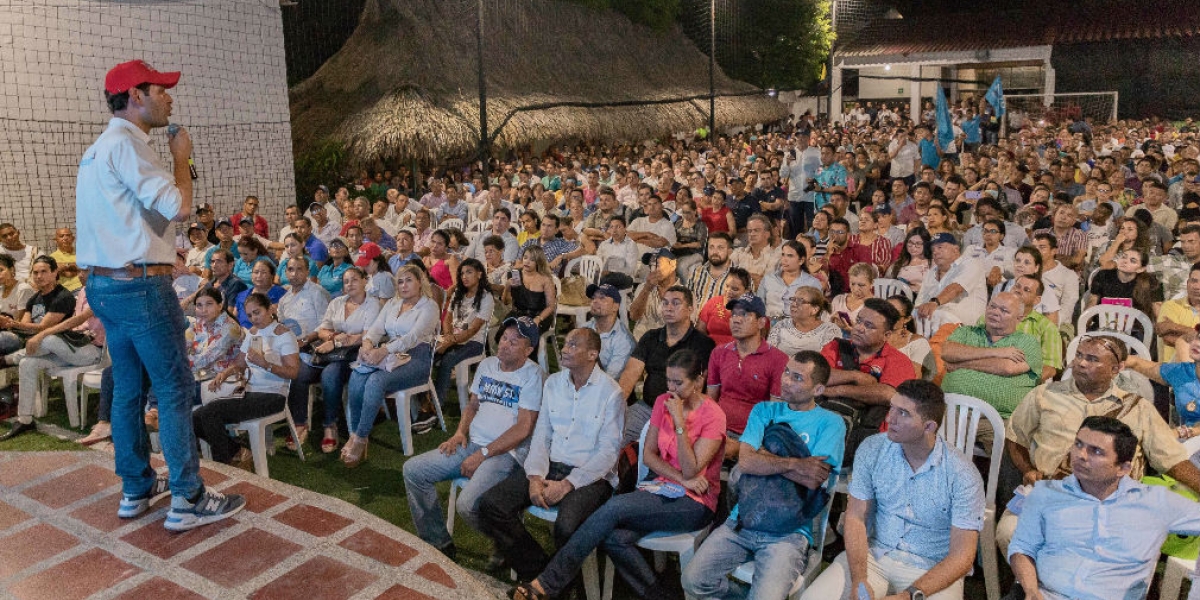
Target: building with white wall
{"type": "Point", "coordinates": [232, 98]}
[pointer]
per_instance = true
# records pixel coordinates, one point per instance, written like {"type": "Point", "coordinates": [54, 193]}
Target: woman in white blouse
{"type": "Point", "coordinates": [904, 337]}
{"type": "Point", "coordinates": [334, 347]}
{"type": "Point", "coordinates": [804, 330]}
{"type": "Point", "coordinates": [396, 354]}
{"type": "Point", "coordinates": [272, 357]}
{"type": "Point", "coordinates": [464, 324]}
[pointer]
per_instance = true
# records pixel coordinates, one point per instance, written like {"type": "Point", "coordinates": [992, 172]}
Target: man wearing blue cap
{"type": "Point", "coordinates": [616, 343]}
{"type": "Point", "coordinates": [747, 370]}
{"type": "Point", "coordinates": [956, 287]}
{"type": "Point", "coordinates": [491, 440]}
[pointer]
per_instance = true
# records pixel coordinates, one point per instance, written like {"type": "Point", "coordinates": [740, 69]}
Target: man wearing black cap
{"type": "Point", "coordinates": [615, 340]}
{"type": "Point", "coordinates": [198, 236]}
{"type": "Point", "coordinates": [225, 241]}
{"type": "Point", "coordinates": [125, 202]}
{"type": "Point", "coordinates": [208, 221]}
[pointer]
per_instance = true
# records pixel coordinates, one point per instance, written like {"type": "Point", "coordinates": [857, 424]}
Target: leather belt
{"type": "Point", "coordinates": [132, 271]}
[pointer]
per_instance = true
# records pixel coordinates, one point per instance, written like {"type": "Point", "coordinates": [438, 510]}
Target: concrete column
{"type": "Point", "coordinates": [914, 96]}
{"type": "Point", "coordinates": [835, 103]}
{"type": "Point", "coordinates": [1048, 85]}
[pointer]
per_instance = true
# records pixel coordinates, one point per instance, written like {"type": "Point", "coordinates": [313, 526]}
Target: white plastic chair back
{"type": "Point", "coordinates": [1116, 318]}
{"type": "Point", "coordinates": [886, 288]}
{"type": "Point", "coordinates": [451, 224]}
{"type": "Point", "coordinates": [1135, 346]}
{"type": "Point", "coordinates": [960, 428]}
{"type": "Point", "coordinates": [927, 327]}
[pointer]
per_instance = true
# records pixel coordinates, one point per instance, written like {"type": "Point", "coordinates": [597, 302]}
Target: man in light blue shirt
{"type": "Point", "coordinates": [799, 167]}
{"type": "Point", "coordinates": [1097, 533]}
{"type": "Point", "coordinates": [616, 343]}
{"type": "Point", "coordinates": [926, 501]}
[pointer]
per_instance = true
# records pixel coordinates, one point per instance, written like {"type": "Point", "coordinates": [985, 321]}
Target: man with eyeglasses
{"type": "Point", "coordinates": [955, 287]}
{"type": "Point", "coordinates": [1042, 429]}
{"type": "Point", "coordinates": [778, 557]}
{"type": "Point", "coordinates": [843, 254]}
{"type": "Point", "coordinates": [747, 370]}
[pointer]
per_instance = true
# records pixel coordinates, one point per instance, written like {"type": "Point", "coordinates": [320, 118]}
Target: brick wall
{"type": "Point", "coordinates": [232, 98]}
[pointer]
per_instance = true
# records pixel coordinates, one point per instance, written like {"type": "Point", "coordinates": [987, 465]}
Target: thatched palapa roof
{"type": "Point", "coordinates": [405, 84]}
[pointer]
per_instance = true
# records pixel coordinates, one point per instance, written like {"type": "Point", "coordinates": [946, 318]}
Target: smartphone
{"type": "Point", "coordinates": [515, 275]}
{"type": "Point", "coordinates": [972, 195]}
{"type": "Point", "coordinates": [845, 316]}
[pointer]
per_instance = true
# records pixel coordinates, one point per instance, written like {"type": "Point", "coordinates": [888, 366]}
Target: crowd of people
{"type": "Point", "coordinates": [790, 304]}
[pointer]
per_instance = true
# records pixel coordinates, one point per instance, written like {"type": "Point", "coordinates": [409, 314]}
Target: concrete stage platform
{"type": "Point", "coordinates": [60, 539]}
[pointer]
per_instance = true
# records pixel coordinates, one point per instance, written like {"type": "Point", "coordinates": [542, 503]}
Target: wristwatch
{"type": "Point", "coordinates": [484, 451]}
{"type": "Point", "coordinates": [679, 430]}
{"type": "Point", "coordinates": [337, 343]}
{"type": "Point", "coordinates": [915, 593]}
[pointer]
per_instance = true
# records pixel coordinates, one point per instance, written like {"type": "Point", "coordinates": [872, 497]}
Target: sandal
{"type": "Point", "coordinates": [355, 452]}
{"type": "Point", "coordinates": [301, 434]}
{"type": "Point", "coordinates": [329, 442]}
{"type": "Point", "coordinates": [525, 591]}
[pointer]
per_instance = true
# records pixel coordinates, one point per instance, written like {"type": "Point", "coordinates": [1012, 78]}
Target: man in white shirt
{"type": "Point", "coordinates": [325, 228]}
{"type": "Point", "coordinates": [491, 441]}
{"type": "Point", "coordinates": [619, 253]}
{"type": "Point", "coordinates": [22, 254]}
{"type": "Point", "coordinates": [800, 165]}
{"type": "Point", "coordinates": [905, 157]}
{"type": "Point", "coordinates": [303, 306]}
{"type": "Point", "coordinates": [955, 287]}
{"type": "Point", "coordinates": [654, 230]}
{"type": "Point", "coordinates": [572, 457]}
{"type": "Point", "coordinates": [501, 218]}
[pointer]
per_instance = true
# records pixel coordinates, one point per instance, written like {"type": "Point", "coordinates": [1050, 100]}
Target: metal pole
{"type": "Point", "coordinates": [712, 67]}
{"type": "Point", "coordinates": [484, 143]}
{"type": "Point", "coordinates": [829, 70]}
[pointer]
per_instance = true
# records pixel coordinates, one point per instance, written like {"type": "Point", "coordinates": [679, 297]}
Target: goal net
{"type": "Point", "coordinates": [1101, 107]}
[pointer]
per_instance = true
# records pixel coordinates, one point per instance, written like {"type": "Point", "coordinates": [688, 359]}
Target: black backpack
{"type": "Point", "coordinates": [862, 420]}
{"type": "Point", "coordinates": [774, 503]}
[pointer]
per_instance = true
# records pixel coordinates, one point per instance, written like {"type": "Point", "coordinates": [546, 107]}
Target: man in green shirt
{"type": "Point", "coordinates": [1029, 289]}
{"type": "Point", "coordinates": [994, 362]}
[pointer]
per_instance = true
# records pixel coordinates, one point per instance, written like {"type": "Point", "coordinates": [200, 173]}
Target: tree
{"type": "Point", "coordinates": [784, 43]}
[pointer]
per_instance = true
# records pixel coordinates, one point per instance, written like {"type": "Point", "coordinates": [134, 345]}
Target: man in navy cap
{"type": "Point", "coordinates": [644, 310]}
{"type": "Point", "coordinates": [616, 343]}
{"type": "Point", "coordinates": [125, 203]}
{"type": "Point", "coordinates": [747, 370]}
{"type": "Point", "coordinates": [956, 286]}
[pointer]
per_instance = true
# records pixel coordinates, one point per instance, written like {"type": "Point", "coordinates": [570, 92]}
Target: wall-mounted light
{"type": "Point", "coordinates": [887, 67]}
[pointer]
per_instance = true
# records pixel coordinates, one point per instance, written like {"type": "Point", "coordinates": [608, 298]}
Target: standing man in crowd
{"type": "Point", "coordinates": [125, 203]}
{"type": "Point", "coordinates": [800, 166]}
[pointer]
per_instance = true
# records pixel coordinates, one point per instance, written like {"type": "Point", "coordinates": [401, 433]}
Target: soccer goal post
{"type": "Point", "coordinates": [1056, 108]}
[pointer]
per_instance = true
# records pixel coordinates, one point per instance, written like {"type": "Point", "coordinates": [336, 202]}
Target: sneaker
{"type": "Point", "coordinates": [424, 423]}
{"type": "Point", "coordinates": [134, 507]}
{"type": "Point", "coordinates": [210, 507]}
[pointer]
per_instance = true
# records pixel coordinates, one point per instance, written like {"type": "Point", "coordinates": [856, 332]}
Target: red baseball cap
{"type": "Point", "coordinates": [366, 252]}
{"type": "Point", "coordinates": [134, 73]}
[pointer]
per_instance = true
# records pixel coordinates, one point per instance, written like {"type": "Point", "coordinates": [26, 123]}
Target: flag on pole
{"type": "Point", "coordinates": [995, 97]}
{"type": "Point", "coordinates": [945, 127]}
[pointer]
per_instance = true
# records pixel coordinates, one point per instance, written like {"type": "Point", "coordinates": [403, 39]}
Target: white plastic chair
{"type": "Point", "coordinates": [959, 429]}
{"type": "Point", "coordinates": [927, 327]}
{"type": "Point", "coordinates": [402, 398]}
{"type": "Point", "coordinates": [1177, 568]}
{"type": "Point", "coordinates": [70, 376]}
{"type": "Point", "coordinates": [1116, 318]}
{"type": "Point", "coordinates": [462, 377]}
{"type": "Point", "coordinates": [886, 288]}
{"type": "Point", "coordinates": [455, 485]}
{"type": "Point", "coordinates": [1135, 346]}
{"type": "Point", "coordinates": [479, 227]}
{"type": "Point", "coordinates": [820, 526]}
{"type": "Point", "coordinates": [451, 224]}
{"type": "Point", "coordinates": [588, 265]}
{"type": "Point", "coordinates": [259, 432]}
{"type": "Point", "coordinates": [683, 543]}
{"type": "Point", "coordinates": [87, 383]}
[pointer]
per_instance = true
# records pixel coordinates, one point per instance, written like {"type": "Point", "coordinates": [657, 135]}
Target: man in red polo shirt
{"type": "Point", "coordinates": [747, 370]}
{"type": "Point", "coordinates": [843, 254]}
{"type": "Point", "coordinates": [866, 371]}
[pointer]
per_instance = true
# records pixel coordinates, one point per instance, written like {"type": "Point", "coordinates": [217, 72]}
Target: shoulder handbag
{"type": "Point", "coordinates": [574, 291]}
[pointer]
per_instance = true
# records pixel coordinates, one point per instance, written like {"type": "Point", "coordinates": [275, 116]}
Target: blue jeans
{"type": "Point", "coordinates": [10, 342]}
{"type": "Point", "coordinates": [332, 377]}
{"type": "Point", "coordinates": [778, 560]}
{"type": "Point", "coordinates": [799, 216]}
{"type": "Point", "coordinates": [445, 364]}
{"type": "Point", "coordinates": [423, 471]}
{"type": "Point", "coordinates": [368, 390]}
{"type": "Point", "coordinates": [145, 328]}
{"type": "Point", "coordinates": [618, 525]}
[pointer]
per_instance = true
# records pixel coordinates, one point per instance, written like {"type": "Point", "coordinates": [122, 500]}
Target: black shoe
{"type": "Point", "coordinates": [450, 550]}
{"type": "Point", "coordinates": [496, 562]}
{"type": "Point", "coordinates": [424, 423]}
{"type": "Point", "coordinates": [17, 429]}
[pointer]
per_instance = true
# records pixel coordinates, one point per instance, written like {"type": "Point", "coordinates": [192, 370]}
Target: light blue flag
{"type": "Point", "coordinates": [995, 97]}
{"type": "Point", "coordinates": [945, 127]}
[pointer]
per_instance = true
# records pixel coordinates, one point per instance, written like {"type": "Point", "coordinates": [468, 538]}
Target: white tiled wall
{"type": "Point", "coordinates": [232, 98]}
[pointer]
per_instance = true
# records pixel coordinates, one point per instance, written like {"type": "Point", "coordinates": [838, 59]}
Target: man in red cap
{"type": "Point", "coordinates": [125, 203]}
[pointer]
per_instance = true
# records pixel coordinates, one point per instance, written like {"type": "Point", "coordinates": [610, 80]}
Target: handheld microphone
{"type": "Point", "coordinates": [172, 130]}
